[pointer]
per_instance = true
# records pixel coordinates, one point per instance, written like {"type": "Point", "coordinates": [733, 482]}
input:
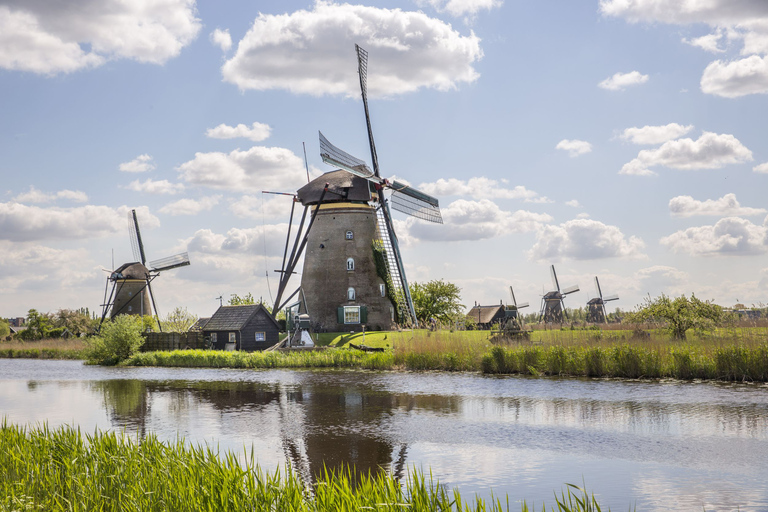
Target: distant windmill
{"type": "Point", "coordinates": [353, 271]}
{"type": "Point", "coordinates": [596, 312]}
{"type": "Point", "coordinates": [552, 305]}
{"type": "Point", "coordinates": [131, 282]}
{"type": "Point", "coordinates": [513, 311]}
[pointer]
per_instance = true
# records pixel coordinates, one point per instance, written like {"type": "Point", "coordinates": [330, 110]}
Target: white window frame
{"type": "Point", "coordinates": [350, 293]}
{"type": "Point", "coordinates": [383, 289]}
{"type": "Point", "coordinates": [351, 315]}
{"type": "Point", "coordinates": [350, 263]}
{"type": "Point", "coordinates": [233, 337]}
{"type": "Point", "coordinates": [260, 336]}
{"type": "Point", "coordinates": [213, 337]}
{"type": "Point", "coordinates": [350, 235]}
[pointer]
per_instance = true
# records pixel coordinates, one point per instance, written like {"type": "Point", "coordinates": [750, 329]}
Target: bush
{"type": "Point", "coordinates": [118, 340]}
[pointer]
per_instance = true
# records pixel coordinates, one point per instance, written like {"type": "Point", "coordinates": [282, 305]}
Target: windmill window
{"type": "Point", "coordinates": [261, 336]}
{"type": "Point", "coordinates": [350, 294]}
{"type": "Point", "coordinates": [351, 314]}
{"type": "Point", "coordinates": [350, 264]}
{"type": "Point", "coordinates": [232, 337]}
{"type": "Point", "coordinates": [350, 235]}
{"type": "Point", "coordinates": [383, 289]}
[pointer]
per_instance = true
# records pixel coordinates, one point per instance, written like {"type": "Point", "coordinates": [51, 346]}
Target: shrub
{"type": "Point", "coordinates": [118, 340]}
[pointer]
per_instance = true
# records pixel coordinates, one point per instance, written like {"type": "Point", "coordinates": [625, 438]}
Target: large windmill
{"type": "Point", "coordinates": [596, 307]}
{"type": "Point", "coordinates": [552, 305]}
{"type": "Point", "coordinates": [131, 292]}
{"type": "Point", "coordinates": [353, 270]}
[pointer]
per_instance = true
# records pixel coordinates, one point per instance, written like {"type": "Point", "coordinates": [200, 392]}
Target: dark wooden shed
{"type": "Point", "coordinates": [249, 327]}
{"type": "Point", "coordinates": [486, 316]}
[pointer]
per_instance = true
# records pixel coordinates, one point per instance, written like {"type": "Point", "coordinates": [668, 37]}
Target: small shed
{"type": "Point", "coordinates": [486, 316]}
{"type": "Point", "coordinates": [249, 327]}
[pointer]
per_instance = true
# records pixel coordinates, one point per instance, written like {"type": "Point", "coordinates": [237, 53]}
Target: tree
{"type": "Point", "coordinates": [680, 314]}
{"type": "Point", "coordinates": [39, 326]}
{"type": "Point", "coordinates": [436, 299]}
{"type": "Point", "coordinates": [118, 340]}
{"type": "Point", "coordinates": [236, 300]}
{"type": "Point", "coordinates": [5, 327]}
{"type": "Point", "coordinates": [178, 320]}
{"type": "Point", "coordinates": [76, 321]}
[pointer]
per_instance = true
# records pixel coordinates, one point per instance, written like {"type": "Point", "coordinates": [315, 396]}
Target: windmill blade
{"type": "Point", "coordinates": [522, 305]}
{"type": "Point", "coordinates": [571, 289]}
{"type": "Point", "coordinates": [362, 71]}
{"type": "Point", "coordinates": [554, 278]}
{"type": "Point", "coordinates": [512, 293]}
{"type": "Point", "coordinates": [597, 285]}
{"type": "Point", "coordinates": [340, 158]}
{"type": "Point", "coordinates": [415, 203]}
{"type": "Point", "coordinates": [136, 243]}
{"type": "Point", "coordinates": [611, 297]}
{"type": "Point", "coordinates": [178, 260]}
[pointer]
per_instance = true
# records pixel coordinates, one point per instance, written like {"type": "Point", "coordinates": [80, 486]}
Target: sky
{"type": "Point", "coordinates": [623, 139]}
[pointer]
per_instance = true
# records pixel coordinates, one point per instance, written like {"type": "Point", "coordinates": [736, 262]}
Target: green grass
{"type": "Point", "coordinates": [73, 348]}
{"type": "Point", "coordinates": [63, 469]}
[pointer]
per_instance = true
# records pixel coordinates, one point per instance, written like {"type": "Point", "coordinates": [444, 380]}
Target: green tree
{"type": "Point", "coordinates": [77, 321]}
{"type": "Point", "coordinates": [679, 314]}
{"type": "Point", "coordinates": [5, 327]}
{"type": "Point", "coordinates": [236, 300]}
{"type": "Point", "coordinates": [436, 299]}
{"type": "Point", "coordinates": [39, 326]}
{"type": "Point", "coordinates": [178, 320]}
{"type": "Point", "coordinates": [118, 340]}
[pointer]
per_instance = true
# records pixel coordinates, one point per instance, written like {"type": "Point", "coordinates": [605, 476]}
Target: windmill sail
{"type": "Point", "coordinates": [178, 260]}
{"type": "Point", "coordinates": [135, 236]}
{"type": "Point", "coordinates": [413, 202]}
{"type": "Point", "coordinates": [362, 71]}
{"type": "Point", "coordinates": [340, 158]}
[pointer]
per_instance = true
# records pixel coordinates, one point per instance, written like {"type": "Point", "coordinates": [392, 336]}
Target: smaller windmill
{"type": "Point", "coordinates": [596, 312]}
{"type": "Point", "coordinates": [512, 312]}
{"type": "Point", "coordinates": [552, 305]}
{"type": "Point", "coordinates": [131, 282]}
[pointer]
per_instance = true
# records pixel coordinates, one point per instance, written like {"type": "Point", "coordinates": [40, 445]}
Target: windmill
{"type": "Point", "coordinates": [596, 307]}
{"type": "Point", "coordinates": [513, 311]}
{"type": "Point", "coordinates": [131, 282]}
{"type": "Point", "coordinates": [552, 305]}
{"type": "Point", "coordinates": [353, 270]}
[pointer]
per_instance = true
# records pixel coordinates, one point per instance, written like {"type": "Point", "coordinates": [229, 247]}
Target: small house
{"type": "Point", "coordinates": [486, 316]}
{"type": "Point", "coordinates": [249, 327]}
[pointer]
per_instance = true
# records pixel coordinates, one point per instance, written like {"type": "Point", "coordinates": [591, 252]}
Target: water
{"type": "Point", "coordinates": [656, 445]}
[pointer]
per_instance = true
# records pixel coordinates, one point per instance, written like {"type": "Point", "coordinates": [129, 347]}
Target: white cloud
{"type": "Point", "coordinates": [259, 168]}
{"type": "Point", "coordinates": [464, 7]}
{"type": "Point", "coordinates": [19, 222]}
{"type": "Point", "coordinates": [584, 239]}
{"type": "Point", "coordinates": [620, 81]}
{"type": "Point", "coordinates": [190, 206]}
{"type": "Point", "coordinates": [709, 42]}
{"type": "Point", "coordinates": [762, 168]}
{"type": "Point", "coordinates": [655, 134]}
{"type": "Point", "coordinates": [141, 163]}
{"type": "Point", "coordinates": [686, 206]}
{"type": "Point", "coordinates": [736, 78]}
{"type": "Point", "coordinates": [256, 207]}
{"type": "Point", "coordinates": [36, 196]}
{"type": "Point", "coordinates": [150, 186]}
{"type": "Point", "coordinates": [312, 52]}
{"type": "Point", "coordinates": [573, 203]}
{"type": "Point", "coordinates": [480, 188]}
{"type": "Point", "coordinates": [574, 147]}
{"type": "Point", "coordinates": [470, 220]}
{"type": "Point", "coordinates": [731, 235]}
{"type": "Point", "coordinates": [710, 151]}
{"type": "Point", "coordinates": [256, 132]}
{"type": "Point", "coordinates": [222, 39]}
{"type": "Point", "coordinates": [60, 37]}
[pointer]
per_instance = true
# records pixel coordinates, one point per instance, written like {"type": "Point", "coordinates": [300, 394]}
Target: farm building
{"type": "Point", "coordinates": [486, 316]}
{"type": "Point", "coordinates": [249, 327]}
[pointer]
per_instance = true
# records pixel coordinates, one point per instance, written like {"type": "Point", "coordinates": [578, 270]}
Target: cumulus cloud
{"type": "Point", "coordinates": [479, 188]}
{"type": "Point", "coordinates": [709, 42]}
{"type": "Point", "coordinates": [256, 207]}
{"type": "Point", "coordinates": [312, 52]}
{"type": "Point", "coordinates": [574, 147]}
{"type": "Point", "coordinates": [256, 132]}
{"type": "Point", "coordinates": [222, 39]}
{"type": "Point", "coordinates": [20, 222]}
{"type": "Point", "coordinates": [36, 196]}
{"type": "Point", "coordinates": [655, 134]}
{"type": "Point", "coordinates": [141, 163]}
{"type": "Point", "coordinates": [47, 37]}
{"type": "Point", "coordinates": [470, 220]}
{"type": "Point", "coordinates": [584, 239]}
{"type": "Point", "coordinates": [620, 81]}
{"type": "Point", "coordinates": [158, 187]}
{"type": "Point", "coordinates": [728, 205]}
{"type": "Point", "coordinates": [464, 7]}
{"type": "Point", "coordinates": [259, 168]}
{"type": "Point", "coordinates": [731, 235]}
{"type": "Point", "coordinates": [762, 168]}
{"type": "Point", "coordinates": [710, 151]}
{"type": "Point", "coordinates": [190, 206]}
{"type": "Point", "coordinates": [573, 203]}
{"type": "Point", "coordinates": [736, 78]}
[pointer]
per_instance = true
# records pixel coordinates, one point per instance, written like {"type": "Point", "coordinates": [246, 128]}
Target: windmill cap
{"type": "Point", "coordinates": [342, 186]}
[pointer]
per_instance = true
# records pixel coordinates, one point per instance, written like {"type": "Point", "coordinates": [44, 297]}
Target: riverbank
{"type": "Point", "coordinates": [43, 349]}
{"type": "Point", "coordinates": [63, 469]}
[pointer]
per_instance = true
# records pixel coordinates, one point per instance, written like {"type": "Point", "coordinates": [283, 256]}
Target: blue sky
{"type": "Point", "coordinates": [618, 138]}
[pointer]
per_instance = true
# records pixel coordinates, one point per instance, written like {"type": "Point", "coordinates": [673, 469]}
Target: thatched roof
{"type": "Point", "coordinates": [233, 318]}
{"type": "Point", "coordinates": [485, 314]}
{"type": "Point", "coordinates": [342, 186]}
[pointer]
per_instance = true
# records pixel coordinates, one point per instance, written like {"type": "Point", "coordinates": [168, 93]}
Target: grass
{"type": "Point", "coordinates": [63, 469]}
{"type": "Point", "coordinates": [72, 348]}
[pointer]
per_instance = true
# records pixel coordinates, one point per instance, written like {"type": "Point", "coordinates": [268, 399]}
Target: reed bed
{"type": "Point", "coordinates": [63, 469]}
{"type": "Point", "coordinates": [73, 348]}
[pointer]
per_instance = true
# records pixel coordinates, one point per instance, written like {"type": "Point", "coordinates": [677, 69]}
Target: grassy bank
{"type": "Point", "coordinates": [43, 349]}
{"type": "Point", "coordinates": [62, 469]}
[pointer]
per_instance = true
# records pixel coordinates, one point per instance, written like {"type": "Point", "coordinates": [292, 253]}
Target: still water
{"type": "Point", "coordinates": [656, 445]}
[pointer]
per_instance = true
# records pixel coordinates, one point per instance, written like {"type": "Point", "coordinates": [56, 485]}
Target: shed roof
{"type": "Point", "coordinates": [233, 318]}
{"type": "Point", "coordinates": [200, 324]}
{"type": "Point", "coordinates": [342, 186]}
{"type": "Point", "coordinates": [485, 314]}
